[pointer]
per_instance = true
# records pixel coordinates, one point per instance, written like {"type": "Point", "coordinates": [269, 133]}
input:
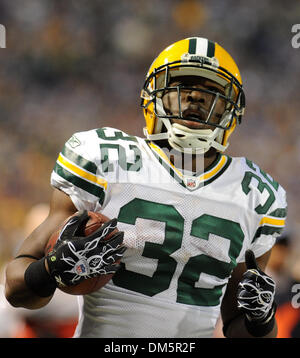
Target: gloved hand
{"type": "Point", "coordinates": [256, 293]}
{"type": "Point", "coordinates": [76, 257]}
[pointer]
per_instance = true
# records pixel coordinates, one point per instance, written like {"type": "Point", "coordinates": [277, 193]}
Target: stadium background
{"type": "Point", "coordinates": [74, 65]}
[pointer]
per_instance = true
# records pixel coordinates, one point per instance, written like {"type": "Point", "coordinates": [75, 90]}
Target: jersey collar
{"type": "Point", "coordinates": [192, 182]}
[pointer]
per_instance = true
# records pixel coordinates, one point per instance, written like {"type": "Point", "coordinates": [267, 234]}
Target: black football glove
{"type": "Point", "coordinates": [256, 293]}
{"type": "Point", "coordinates": [76, 257]}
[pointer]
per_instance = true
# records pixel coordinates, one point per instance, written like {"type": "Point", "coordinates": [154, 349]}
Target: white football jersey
{"type": "Point", "coordinates": [184, 233]}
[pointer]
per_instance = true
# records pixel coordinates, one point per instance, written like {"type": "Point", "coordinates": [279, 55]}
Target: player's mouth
{"type": "Point", "coordinates": [192, 116]}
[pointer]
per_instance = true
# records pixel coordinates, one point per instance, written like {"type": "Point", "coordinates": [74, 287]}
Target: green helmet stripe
{"type": "Point", "coordinates": [192, 46]}
{"type": "Point", "coordinates": [211, 49]}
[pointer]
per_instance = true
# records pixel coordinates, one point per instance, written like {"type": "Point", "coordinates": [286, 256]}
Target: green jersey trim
{"type": "Point", "coordinates": [80, 172]}
{"type": "Point", "coordinates": [80, 183]}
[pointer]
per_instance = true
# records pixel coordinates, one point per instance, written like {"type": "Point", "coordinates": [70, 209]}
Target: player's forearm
{"type": "Point", "coordinates": [238, 329]}
{"type": "Point", "coordinates": [16, 291]}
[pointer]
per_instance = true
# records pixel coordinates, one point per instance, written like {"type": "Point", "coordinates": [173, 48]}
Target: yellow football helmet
{"type": "Point", "coordinates": [200, 57]}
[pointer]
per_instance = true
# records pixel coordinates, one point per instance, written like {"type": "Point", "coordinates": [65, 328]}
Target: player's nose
{"type": "Point", "coordinates": [195, 95]}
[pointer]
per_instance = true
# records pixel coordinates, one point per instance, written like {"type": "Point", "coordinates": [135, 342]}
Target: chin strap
{"type": "Point", "coordinates": [187, 140]}
{"type": "Point", "coordinates": [158, 136]}
{"type": "Point", "coordinates": [195, 139]}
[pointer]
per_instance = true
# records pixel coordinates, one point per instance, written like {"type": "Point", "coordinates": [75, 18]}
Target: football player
{"type": "Point", "coordinates": [198, 225]}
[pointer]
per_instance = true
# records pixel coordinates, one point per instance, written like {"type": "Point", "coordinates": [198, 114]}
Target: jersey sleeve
{"type": "Point", "coordinates": [76, 172]}
{"type": "Point", "coordinates": [270, 226]}
{"type": "Point", "coordinates": [269, 205]}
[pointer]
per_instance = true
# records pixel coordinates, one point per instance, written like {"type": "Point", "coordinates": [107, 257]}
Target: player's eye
{"type": "Point", "coordinates": [213, 89]}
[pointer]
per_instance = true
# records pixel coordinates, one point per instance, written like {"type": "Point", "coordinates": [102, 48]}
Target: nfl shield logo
{"type": "Point", "coordinates": [82, 268]}
{"type": "Point", "coordinates": [191, 183]}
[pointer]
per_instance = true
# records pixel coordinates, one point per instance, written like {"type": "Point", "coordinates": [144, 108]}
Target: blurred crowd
{"type": "Point", "coordinates": [75, 65]}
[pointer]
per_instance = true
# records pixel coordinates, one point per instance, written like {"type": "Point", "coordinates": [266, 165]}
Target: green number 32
{"type": "Point", "coordinates": [201, 227]}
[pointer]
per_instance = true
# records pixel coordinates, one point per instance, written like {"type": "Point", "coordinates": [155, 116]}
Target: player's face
{"type": "Point", "coordinates": [194, 102]}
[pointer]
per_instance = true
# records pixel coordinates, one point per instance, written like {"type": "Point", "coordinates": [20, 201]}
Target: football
{"type": "Point", "coordinates": [89, 285]}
